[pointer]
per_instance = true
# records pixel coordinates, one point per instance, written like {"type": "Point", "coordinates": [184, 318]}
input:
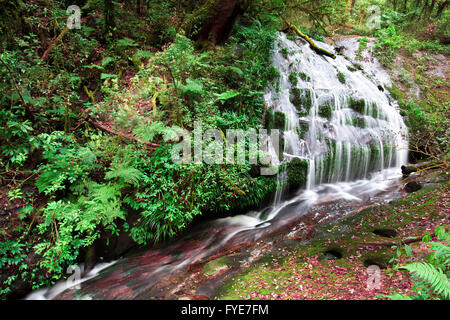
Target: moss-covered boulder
{"type": "Point", "coordinates": [359, 122]}
{"type": "Point", "coordinates": [297, 173]}
{"type": "Point", "coordinates": [275, 120]}
{"type": "Point", "coordinates": [325, 111]}
{"type": "Point", "coordinates": [302, 129]}
{"type": "Point", "coordinates": [341, 77]}
{"type": "Point", "coordinates": [279, 120]}
{"type": "Point", "coordinates": [302, 100]}
{"type": "Point", "coordinates": [304, 77]}
{"type": "Point", "coordinates": [357, 105]}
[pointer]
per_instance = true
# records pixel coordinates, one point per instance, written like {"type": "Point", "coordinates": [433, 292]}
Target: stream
{"type": "Point", "coordinates": [354, 156]}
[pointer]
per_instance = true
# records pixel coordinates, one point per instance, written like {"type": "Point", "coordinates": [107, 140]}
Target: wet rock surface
{"type": "Point", "coordinates": [197, 266]}
{"type": "Point", "coordinates": [412, 186]}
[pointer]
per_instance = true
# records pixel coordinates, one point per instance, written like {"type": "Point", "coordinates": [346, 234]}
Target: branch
{"type": "Point", "coordinates": [14, 81]}
{"type": "Point", "coordinates": [60, 36]}
{"type": "Point", "coordinates": [102, 127]}
{"type": "Point", "coordinates": [314, 47]}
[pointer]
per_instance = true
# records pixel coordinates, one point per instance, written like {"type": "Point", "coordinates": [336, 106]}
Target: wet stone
{"type": "Point", "coordinates": [412, 187]}
{"type": "Point", "coordinates": [332, 254]}
{"type": "Point", "coordinates": [388, 233]}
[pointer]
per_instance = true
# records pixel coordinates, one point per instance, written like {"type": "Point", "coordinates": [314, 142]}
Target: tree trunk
{"type": "Point", "coordinates": [441, 8]}
{"type": "Point", "coordinates": [110, 24]}
{"type": "Point", "coordinates": [138, 7]}
{"type": "Point", "coordinates": [219, 19]}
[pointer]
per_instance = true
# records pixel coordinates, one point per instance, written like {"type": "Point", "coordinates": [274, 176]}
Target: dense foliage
{"type": "Point", "coordinates": [88, 116]}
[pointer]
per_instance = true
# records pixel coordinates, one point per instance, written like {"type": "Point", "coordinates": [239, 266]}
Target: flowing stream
{"type": "Point", "coordinates": [339, 120]}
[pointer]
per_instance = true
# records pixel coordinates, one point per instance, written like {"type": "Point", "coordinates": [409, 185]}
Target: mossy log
{"type": "Point", "coordinates": [316, 49]}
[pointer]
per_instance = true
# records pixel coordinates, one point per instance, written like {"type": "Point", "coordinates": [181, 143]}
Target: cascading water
{"type": "Point", "coordinates": [336, 119]}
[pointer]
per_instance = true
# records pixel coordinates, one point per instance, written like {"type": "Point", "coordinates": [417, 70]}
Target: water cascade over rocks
{"type": "Point", "coordinates": [336, 118]}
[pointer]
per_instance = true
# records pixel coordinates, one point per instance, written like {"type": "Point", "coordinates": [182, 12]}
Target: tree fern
{"type": "Point", "coordinates": [432, 276]}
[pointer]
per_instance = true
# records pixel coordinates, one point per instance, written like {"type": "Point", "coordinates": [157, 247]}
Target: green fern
{"type": "Point", "coordinates": [124, 172]}
{"type": "Point", "coordinates": [432, 276]}
{"type": "Point", "coordinates": [441, 253]}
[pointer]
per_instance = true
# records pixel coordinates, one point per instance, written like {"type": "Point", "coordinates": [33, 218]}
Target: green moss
{"type": "Point", "coordinates": [302, 100]}
{"type": "Point", "coordinates": [359, 122]}
{"type": "Point", "coordinates": [215, 265]}
{"type": "Point", "coordinates": [279, 120]}
{"type": "Point", "coordinates": [325, 111]}
{"type": "Point", "coordinates": [293, 79]}
{"type": "Point", "coordinates": [304, 77]}
{"type": "Point", "coordinates": [285, 53]}
{"type": "Point", "coordinates": [375, 156]}
{"type": "Point", "coordinates": [352, 69]}
{"type": "Point", "coordinates": [302, 130]}
{"type": "Point", "coordinates": [347, 235]}
{"type": "Point", "coordinates": [341, 77]}
{"type": "Point", "coordinates": [397, 94]}
{"type": "Point", "coordinates": [297, 171]}
{"type": "Point", "coordinates": [357, 105]}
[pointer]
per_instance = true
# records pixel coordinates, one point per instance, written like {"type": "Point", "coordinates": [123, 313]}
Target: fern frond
{"type": "Point", "coordinates": [432, 276]}
{"type": "Point", "coordinates": [442, 234]}
{"type": "Point", "coordinates": [124, 172]}
{"type": "Point", "coordinates": [441, 253]}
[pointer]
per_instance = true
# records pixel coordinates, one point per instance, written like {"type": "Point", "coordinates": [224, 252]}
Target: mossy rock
{"type": "Point", "coordinates": [357, 105]}
{"type": "Point", "coordinates": [285, 53]}
{"type": "Point", "coordinates": [279, 120]}
{"type": "Point", "coordinates": [341, 77]}
{"type": "Point", "coordinates": [359, 122]}
{"type": "Point", "coordinates": [297, 171]}
{"type": "Point", "coordinates": [214, 265]}
{"type": "Point", "coordinates": [11, 22]}
{"type": "Point", "coordinates": [304, 77]}
{"type": "Point", "coordinates": [275, 120]}
{"type": "Point", "coordinates": [293, 79]}
{"type": "Point", "coordinates": [302, 100]}
{"type": "Point", "coordinates": [325, 111]}
{"type": "Point", "coordinates": [302, 129]}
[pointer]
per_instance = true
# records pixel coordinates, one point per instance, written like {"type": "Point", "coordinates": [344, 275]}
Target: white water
{"type": "Point", "coordinates": [61, 286]}
{"type": "Point", "coordinates": [352, 152]}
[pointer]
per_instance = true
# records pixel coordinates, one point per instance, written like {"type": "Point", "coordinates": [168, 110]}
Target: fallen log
{"type": "Point", "coordinates": [390, 244]}
{"type": "Point", "coordinates": [127, 136]}
{"type": "Point", "coordinates": [99, 125]}
{"type": "Point", "coordinates": [314, 47]}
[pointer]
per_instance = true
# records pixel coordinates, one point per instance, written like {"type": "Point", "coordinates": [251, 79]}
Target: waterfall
{"type": "Point", "coordinates": [337, 119]}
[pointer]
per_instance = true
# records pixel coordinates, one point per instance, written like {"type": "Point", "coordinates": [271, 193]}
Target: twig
{"type": "Point", "coordinates": [389, 244]}
{"type": "Point", "coordinates": [125, 135]}
{"type": "Point", "coordinates": [14, 81]}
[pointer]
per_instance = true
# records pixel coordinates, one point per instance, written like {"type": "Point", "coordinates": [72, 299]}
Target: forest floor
{"type": "Point", "coordinates": [334, 264]}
